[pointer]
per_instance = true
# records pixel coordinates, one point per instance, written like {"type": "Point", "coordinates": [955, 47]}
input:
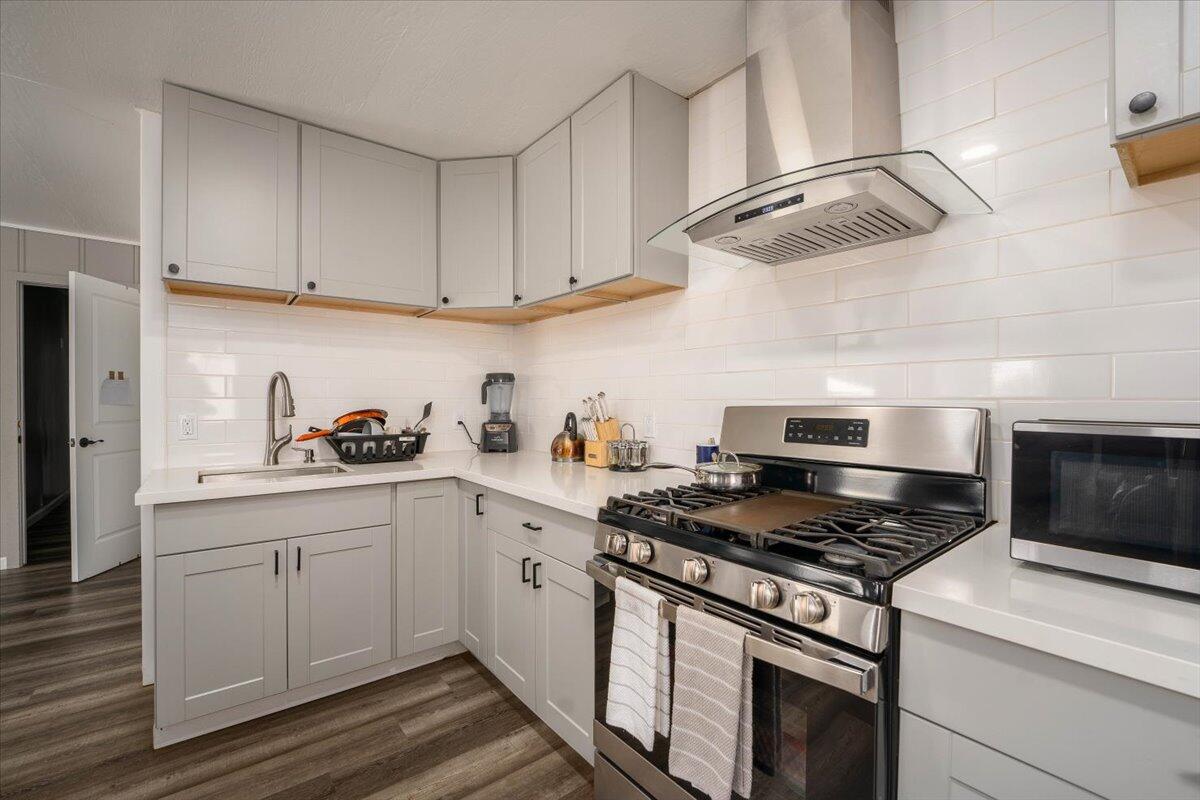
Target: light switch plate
{"type": "Point", "coordinates": [187, 426]}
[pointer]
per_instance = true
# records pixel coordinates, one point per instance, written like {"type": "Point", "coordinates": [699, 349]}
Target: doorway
{"type": "Point", "coordinates": [46, 422]}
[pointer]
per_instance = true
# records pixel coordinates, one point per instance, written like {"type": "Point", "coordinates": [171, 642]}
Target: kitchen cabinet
{"type": "Point", "coordinates": [629, 176]}
{"type": "Point", "coordinates": [229, 195]}
{"type": "Point", "coordinates": [368, 224]}
{"type": "Point", "coordinates": [543, 257]}
{"type": "Point", "coordinates": [474, 576]}
{"type": "Point", "coordinates": [512, 609]}
{"type": "Point", "coordinates": [475, 251]}
{"type": "Point", "coordinates": [938, 764]}
{"type": "Point", "coordinates": [564, 626]}
{"type": "Point", "coordinates": [426, 566]}
{"type": "Point", "coordinates": [339, 603]}
{"type": "Point", "coordinates": [1154, 87]}
{"type": "Point", "coordinates": [220, 629]}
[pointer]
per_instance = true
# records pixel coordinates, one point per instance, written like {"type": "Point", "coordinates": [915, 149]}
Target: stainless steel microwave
{"type": "Point", "coordinates": [1118, 499]}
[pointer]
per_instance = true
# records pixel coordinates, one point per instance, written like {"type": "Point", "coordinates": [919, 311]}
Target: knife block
{"type": "Point", "coordinates": [609, 430]}
{"type": "Point", "coordinates": [595, 451]}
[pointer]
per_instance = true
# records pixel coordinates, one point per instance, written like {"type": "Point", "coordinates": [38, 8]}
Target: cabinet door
{"type": "Point", "coordinates": [229, 193]}
{"type": "Point", "coordinates": [513, 659]}
{"type": "Point", "coordinates": [339, 603]}
{"type": "Point", "coordinates": [475, 252]}
{"type": "Point", "coordinates": [426, 566]}
{"type": "Point", "coordinates": [473, 574]}
{"type": "Point", "coordinates": [368, 220]}
{"type": "Point", "coordinates": [1146, 58]}
{"type": "Point", "coordinates": [566, 663]}
{"type": "Point", "coordinates": [543, 266]}
{"type": "Point", "coordinates": [602, 186]}
{"type": "Point", "coordinates": [220, 629]}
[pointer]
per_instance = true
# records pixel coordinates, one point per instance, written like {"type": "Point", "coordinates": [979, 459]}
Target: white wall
{"type": "Point", "coordinates": [1077, 298]}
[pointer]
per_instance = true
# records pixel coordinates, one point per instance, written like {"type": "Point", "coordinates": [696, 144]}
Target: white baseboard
{"type": "Point", "coordinates": [3, 563]}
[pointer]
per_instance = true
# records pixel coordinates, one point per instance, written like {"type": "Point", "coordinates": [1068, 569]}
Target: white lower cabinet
{"type": "Point", "coordinates": [426, 566]}
{"type": "Point", "coordinates": [543, 627]}
{"type": "Point", "coordinates": [221, 629]}
{"type": "Point", "coordinates": [339, 599]}
{"type": "Point", "coordinates": [473, 572]}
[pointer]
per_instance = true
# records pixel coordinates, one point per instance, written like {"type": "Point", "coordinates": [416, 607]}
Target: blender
{"type": "Point", "coordinates": [499, 434]}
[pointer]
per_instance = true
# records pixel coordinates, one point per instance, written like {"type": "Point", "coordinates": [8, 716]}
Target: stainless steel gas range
{"type": "Point", "coordinates": [851, 498]}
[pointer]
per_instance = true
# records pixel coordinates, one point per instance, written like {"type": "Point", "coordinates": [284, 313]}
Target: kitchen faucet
{"type": "Point", "coordinates": [274, 445]}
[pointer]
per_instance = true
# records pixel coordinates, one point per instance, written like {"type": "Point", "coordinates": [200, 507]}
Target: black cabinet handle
{"type": "Point", "coordinates": [524, 565]}
{"type": "Point", "coordinates": [516, 298]}
{"type": "Point", "coordinates": [84, 441]}
{"type": "Point", "coordinates": [311, 285]}
{"type": "Point", "coordinates": [536, 585]}
{"type": "Point", "coordinates": [297, 559]}
{"type": "Point", "coordinates": [572, 280]}
{"type": "Point", "coordinates": [531, 526]}
{"type": "Point", "coordinates": [173, 269]}
{"type": "Point", "coordinates": [1142, 102]}
{"type": "Point", "coordinates": [276, 562]}
{"type": "Point", "coordinates": [478, 511]}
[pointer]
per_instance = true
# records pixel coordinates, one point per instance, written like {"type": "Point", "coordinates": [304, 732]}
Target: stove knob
{"type": "Point", "coordinates": [808, 608]}
{"type": "Point", "coordinates": [641, 552]}
{"type": "Point", "coordinates": [764, 594]}
{"type": "Point", "coordinates": [615, 544]}
{"type": "Point", "coordinates": [695, 570]}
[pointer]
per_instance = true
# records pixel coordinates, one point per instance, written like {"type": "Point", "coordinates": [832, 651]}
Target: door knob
{"type": "Point", "coordinates": [84, 441]}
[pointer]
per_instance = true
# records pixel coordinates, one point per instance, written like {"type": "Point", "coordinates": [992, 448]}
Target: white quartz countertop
{"type": "Point", "coordinates": [574, 488]}
{"type": "Point", "coordinates": [1149, 635]}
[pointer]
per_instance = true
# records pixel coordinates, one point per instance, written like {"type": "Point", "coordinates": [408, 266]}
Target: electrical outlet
{"type": "Point", "coordinates": [187, 426]}
{"type": "Point", "coordinates": [459, 416]}
{"type": "Point", "coordinates": [649, 427]}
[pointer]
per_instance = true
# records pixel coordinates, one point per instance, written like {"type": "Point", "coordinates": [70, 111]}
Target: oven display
{"type": "Point", "coordinates": [811, 430]}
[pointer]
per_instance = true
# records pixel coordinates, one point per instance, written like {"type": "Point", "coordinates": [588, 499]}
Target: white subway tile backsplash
{"type": "Point", "coordinates": [965, 107]}
{"type": "Point", "coordinates": [920, 16]}
{"type": "Point", "coordinates": [1078, 66]}
{"type": "Point", "coordinates": [1163, 326]}
{"type": "Point", "coordinates": [780, 354]}
{"type": "Point", "coordinates": [195, 341]}
{"type": "Point", "coordinates": [1009, 15]}
{"type": "Point", "coordinates": [220, 364]}
{"type": "Point", "coordinates": [1157, 279]}
{"type": "Point", "coordinates": [950, 265]}
{"type": "Point", "coordinates": [195, 386]}
{"type": "Point", "coordinates": [1055, 161]}
{"type": "Point", "coordinates": [888, 311]}
{"type": "Point", "coordinates": [957, 33]}
{"type": "Point", "coordinates": [1132, 198]}
{"type": "Point", "coordinates": [1038, 292]}
{"type": "Point", "coordinates": [730, 386]}
{"type": "Point", "coordinates": [884, 380]}
{"type": "Point", "coordinates": [1157, 376]}
{"type": "Point", "coordinates": [757, 328]}
{"type": "Point", "coordinates": [805, 290]}
{"type": "Point", "coordinates": [1074, 376]}
{"type": "Point", "coordinates": [927, 343]}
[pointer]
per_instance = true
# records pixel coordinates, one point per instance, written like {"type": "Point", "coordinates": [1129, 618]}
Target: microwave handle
{"type": "Point", "coordinates": [863, 683]}
{"type": "Point", "coordinates": [850, 679]}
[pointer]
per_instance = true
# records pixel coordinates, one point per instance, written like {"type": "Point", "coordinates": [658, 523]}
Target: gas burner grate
{"type": "Point", "coordinates": [661, 505]}
{"type": "Point", "coordinates": [876, 539]}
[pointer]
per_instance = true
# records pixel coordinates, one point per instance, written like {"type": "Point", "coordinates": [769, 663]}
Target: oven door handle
{"type": "Point", "coordinates": [857, 681]}
{"type": "Point", "coordinates": [860, 682]}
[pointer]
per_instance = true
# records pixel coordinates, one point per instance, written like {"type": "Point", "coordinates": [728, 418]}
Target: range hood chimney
{"type": "Point", "coordinates": [822, 142]}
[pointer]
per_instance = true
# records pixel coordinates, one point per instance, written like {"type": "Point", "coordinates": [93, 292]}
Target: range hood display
{"type": "Point", "coordinates": [822, 120]}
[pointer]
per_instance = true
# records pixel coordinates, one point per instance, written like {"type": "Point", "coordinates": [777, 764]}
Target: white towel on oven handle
{"type": "Point", "coordinates": [713, 715]}
{"type": "Point", "coordinates": [639, 669]}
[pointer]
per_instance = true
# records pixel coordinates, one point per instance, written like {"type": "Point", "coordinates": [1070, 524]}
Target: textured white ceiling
{"type": "Point", "coordinates": [444, 79]}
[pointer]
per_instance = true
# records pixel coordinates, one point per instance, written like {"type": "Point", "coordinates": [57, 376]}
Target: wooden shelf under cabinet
{"type": "Point", "coordinates": [1160, 155]}
{"type": "Point", "coordinates": [227, 292]}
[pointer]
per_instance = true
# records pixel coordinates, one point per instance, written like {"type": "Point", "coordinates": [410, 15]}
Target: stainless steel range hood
{"type": "Point", "coordinates": [822, 131]}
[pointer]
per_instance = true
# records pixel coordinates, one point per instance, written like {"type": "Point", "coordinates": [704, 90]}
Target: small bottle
{"type": "Point", "coordinates": [707, 452]}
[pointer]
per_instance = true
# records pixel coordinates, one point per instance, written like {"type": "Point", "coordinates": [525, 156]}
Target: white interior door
{"type": "Point", "coordinates": [104, 403]}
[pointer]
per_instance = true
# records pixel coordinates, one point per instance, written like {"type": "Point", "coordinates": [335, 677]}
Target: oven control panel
{"type": "Point", "coordinates": [814, 430]}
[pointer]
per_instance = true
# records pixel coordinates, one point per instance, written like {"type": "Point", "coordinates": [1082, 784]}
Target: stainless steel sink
{"type": "Point", "coordinates": [269, 473]}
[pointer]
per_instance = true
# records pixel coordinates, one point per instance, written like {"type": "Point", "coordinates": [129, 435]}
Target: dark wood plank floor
{"type": "Point", "coordinates": [75, 720]}
{"type": "Point", "coordinates": [49, 539]}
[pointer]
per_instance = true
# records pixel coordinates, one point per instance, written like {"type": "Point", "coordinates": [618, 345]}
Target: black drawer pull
{"type": "Point", "coordinates": [531, 526]}
{"type": "Point", "coordinates": [276, 562]}
{"type": "Point", "coordinates": [478, 511]}
{"type": "Point", "coordinates": [524, 566]}
{"type": "Point", "coordinates": [297, 559]}
{"type": "Point", "coordinates": [536, 585]}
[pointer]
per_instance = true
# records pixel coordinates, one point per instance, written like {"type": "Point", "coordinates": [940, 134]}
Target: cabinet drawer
{"type": "Point", "coordinates": [555, 533]}
{"type": "Point", "coordinates": [204, 524]}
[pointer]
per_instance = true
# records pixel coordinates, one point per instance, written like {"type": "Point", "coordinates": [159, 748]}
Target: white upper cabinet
{"type": "Point", "coordinates": [475, 252]}
{"type": "Point", "coordinates": [368, 222]}
{"type": "Point", "coordinates": [543, 267]}
{"type": "Point", "coordinates": [229, 193]}
{"type": "Point", "coordinates": [1155, 63]}
{"type": "Point", "coordinates": [602, 186]}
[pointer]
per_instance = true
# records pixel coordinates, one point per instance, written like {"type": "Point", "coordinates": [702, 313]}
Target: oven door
{"type": "Point", "coordinates": [1111, 499]}
{"type": "Point", "coordinates": [818, 728]}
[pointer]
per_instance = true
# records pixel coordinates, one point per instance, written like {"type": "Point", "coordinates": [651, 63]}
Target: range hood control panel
{"type": "Point", "coordinates": [769, 207]}
{"type": "Point", "coordinates": [812, 430]}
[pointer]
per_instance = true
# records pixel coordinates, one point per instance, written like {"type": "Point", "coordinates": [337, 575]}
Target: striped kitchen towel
{"type": "Point", "coordinates": [712, 717]}
{"type": "Point", "coordinates": [639, 671]}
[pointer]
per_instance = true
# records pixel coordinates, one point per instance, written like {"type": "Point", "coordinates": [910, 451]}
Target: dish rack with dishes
{"type": "Point", "coordinates": [363, 448]}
